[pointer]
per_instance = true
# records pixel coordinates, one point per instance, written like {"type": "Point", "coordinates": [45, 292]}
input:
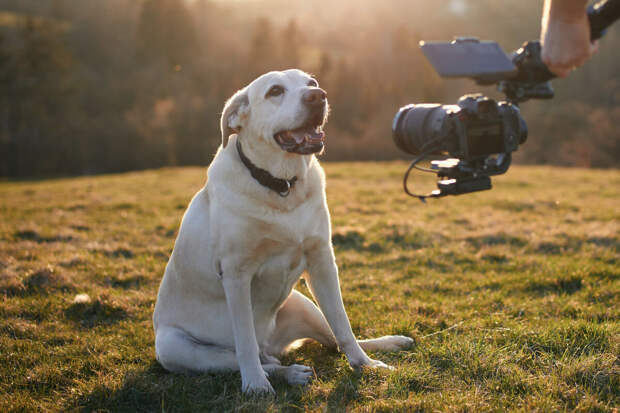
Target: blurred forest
{"type": "Point", "coordinates": [113, 85]}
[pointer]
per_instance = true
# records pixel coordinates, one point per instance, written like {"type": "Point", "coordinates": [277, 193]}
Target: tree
{"type": "Point", "coordinates": [166, 32]}
{"type": "Point", "coordinates": [291, 45]}
{"type": "Point", "coordinates": [325, 66]}
{"type": "Point", "coordinates": [34, 79]}
{"type": "Point", "coordinates": [263, 55]}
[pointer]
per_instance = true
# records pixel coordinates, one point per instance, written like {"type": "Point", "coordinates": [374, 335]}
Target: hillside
{"type": "Point", "coordinates": [511, 295]}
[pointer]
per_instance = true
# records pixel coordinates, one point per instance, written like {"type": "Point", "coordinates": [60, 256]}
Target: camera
{"type": "Point", "coordinates": [476, 137]}
{"type": "Point", "coordinates": [475, 127]}
{"type": "Point", "coordinates": [478, 134]}
{"type": "Point", "coordinates": [473, 131]}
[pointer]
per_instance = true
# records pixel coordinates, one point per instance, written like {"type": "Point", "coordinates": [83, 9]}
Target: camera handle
{"type": "Point", "coordinates": [601, 15]}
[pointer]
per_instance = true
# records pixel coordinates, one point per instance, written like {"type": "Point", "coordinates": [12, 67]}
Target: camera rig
{"type": "Point", "coordinates": [478, 133]}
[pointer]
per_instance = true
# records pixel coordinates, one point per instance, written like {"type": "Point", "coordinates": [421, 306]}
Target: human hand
{"type": "Point", "coordinates": [565, 36]}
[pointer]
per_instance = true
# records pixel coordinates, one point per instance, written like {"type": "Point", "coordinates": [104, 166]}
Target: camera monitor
{"type": "Point", "coordinates": [468, 57]}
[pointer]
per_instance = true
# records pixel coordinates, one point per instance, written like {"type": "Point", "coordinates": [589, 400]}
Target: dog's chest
{"type": "Point", "coordinates": [280, 254]}
{"type": "Point", "coordinates": [279, 270]}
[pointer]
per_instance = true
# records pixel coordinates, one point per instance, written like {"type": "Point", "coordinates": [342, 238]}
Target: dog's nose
{"type": "Point", "coordinates": [314, 97]}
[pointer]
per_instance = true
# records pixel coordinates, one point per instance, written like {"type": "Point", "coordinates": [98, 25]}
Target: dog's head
{"type": "Point", "coordinates": [284, 109]}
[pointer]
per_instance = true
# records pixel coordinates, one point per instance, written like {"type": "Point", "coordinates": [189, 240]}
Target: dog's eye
{"type": "Point", "coordinates": [276, 90]}
{"type": "Point", "coordinates": [313, 83]}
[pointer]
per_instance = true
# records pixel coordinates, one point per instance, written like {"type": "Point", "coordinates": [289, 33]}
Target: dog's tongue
{"type": "Point", "coordinates": [311, 136]}
{"type": "Point", "coordinates": [300, 137]}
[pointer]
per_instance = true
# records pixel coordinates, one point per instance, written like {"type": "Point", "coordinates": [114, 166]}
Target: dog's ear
{"type": "Point", "coordinates": [234, 115]}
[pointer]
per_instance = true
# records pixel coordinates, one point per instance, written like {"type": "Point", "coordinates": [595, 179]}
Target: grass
{"type": "Point", "coordinates": [512, 295]}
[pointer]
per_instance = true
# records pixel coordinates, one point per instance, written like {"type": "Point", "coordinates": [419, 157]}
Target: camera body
{"type": "Point", "coordinates": [478, 132]}
{"type": "Point", "coordinates": [474, 128]}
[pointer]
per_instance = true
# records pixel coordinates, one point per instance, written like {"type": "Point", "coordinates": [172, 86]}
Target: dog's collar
{"type": "Point", "coordinates": [281, 186]}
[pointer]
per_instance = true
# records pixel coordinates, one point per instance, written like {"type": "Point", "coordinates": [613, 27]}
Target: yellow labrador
{"type": "Point", "coordinates": [226, 301]}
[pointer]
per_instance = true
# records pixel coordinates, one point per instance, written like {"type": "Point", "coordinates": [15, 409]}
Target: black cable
{"type": "Point", "coordinates": [413, 164]}
{"type": "Point", "coordinates": [422, 169]}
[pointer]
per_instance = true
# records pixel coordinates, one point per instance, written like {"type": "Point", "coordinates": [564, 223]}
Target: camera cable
{"type": "Point", "coordinates": [426, 149]}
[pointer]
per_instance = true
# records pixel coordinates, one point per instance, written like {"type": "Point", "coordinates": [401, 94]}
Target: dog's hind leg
{"type": "Point", "coordinates": [178, 352]}
{"type": "Point", "coordinates": [386, 343]}
{"type": "Point", "coordinates": [300, 318]}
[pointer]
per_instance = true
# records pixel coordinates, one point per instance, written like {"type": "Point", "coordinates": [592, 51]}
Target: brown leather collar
{"type": "Point", "coordinates": [281, 186]}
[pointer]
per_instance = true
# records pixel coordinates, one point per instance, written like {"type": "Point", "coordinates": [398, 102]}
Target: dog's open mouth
{"type": "Point", "coordinates": [308, 138]}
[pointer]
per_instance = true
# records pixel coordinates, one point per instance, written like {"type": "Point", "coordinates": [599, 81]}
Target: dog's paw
{"type": "Point", "coordinates": [297, 374]}
{"type": "Point", "coordinates": [377, 364]}
{"type": "Point", "coordinates": [396, 343]}
{"type": "Point", "coordinates": [258, 386]}
{"type": "Point", "coordinates": [369, 363]}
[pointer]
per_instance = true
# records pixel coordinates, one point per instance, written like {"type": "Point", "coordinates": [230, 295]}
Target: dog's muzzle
{"type": "Point", "coordinates": [306, 139]}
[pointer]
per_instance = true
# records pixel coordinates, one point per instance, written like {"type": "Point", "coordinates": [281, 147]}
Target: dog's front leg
{"type": "Point", "coordinates": [237, 288]}
{"type": "Point", "coordinates": [325, 287]}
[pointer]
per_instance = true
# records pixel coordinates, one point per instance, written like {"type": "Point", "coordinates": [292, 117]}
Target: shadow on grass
{"type": "Point", "coordinates": [561, 285]}
{"type": "Point", "coordinates": [345, 391]}
{"type": "Point", "coordinates": [392, 237]}
{"type": "Point", "coordinates": [126, 283]}
{"type": "Point", "coordinates": [151, 388]}
{"type": "Point", "coordinates": [100, 312]}
{"type": "Point", "coordinates": [496, 239]}
{"type": "Point", "coordinates": [575, 244]}
{"type": "Point", "coordinates": [354, 240]}
{"type": "Point", "coordinates": [141, 390]}
{"type": "Point", "coordinates": [31, 235]}
{"type": "Point", "coordinates": [520, 206]}
{"type": "Point", "coordinates": [41, 282]}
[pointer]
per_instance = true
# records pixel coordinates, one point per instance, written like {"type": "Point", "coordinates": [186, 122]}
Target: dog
{"type": "Point", "coordinates": [226, 301]}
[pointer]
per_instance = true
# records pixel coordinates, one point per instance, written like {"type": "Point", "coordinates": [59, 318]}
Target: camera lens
{"type": "Point", "coordinates": [416, 125]}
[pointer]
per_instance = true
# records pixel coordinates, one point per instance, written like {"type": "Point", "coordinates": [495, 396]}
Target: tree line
{"type": "Point", "coordinates": [117, 85]}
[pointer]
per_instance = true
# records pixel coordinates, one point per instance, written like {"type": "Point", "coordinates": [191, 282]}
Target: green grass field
{"type": "Point", "coordinates": [512, 295]}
